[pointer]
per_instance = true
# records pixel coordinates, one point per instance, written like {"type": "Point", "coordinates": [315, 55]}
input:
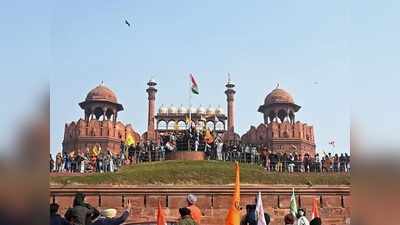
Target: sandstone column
{"type": "Point", "coordinates": [230, 98]}
{"type": "Point", "coordinates": [151, 91]}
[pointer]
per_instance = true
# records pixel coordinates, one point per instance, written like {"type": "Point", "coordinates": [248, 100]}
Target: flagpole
{"type": "Point", "coordinates": [190, 113]}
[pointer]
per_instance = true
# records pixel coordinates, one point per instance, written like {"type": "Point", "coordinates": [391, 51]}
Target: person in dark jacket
{"type": "Point", "coordinates": [316, 221]}
{"type": "Point", "coordinates": [186, 219]}
{"type": "Point", "coordinates": [289, 219]}
{"type": "Point", "coordinates": [83, 212]}
{"type": "Point", "coordinates": [55, 218]}
{"type": "Point", "coordinates": [108, 216]}
{"type": "Point", "coordinates": [250, 217]}
{"type": "Point", "coordinates": [267, 218]}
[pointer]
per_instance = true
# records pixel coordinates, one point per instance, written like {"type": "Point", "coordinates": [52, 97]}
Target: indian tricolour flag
{"type": "Point", "coordinates": [195, 88]}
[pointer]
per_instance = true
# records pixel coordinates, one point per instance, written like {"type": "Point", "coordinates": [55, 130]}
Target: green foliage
{"type": "Point", "coordinates": [201, 173]}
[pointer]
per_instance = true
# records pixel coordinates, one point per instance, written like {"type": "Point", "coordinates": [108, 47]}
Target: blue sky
{"type": "Point", "coordinates": [260, 43]}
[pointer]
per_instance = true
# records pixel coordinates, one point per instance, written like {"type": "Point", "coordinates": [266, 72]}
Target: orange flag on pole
{"type": "Point", "coordinates": [161, 215]}
{"type": "Point", "coordinates": [314, 211]}
{"type": "Point", "coordinates": [233, 217]}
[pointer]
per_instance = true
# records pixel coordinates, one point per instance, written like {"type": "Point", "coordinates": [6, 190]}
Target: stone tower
{"type": "Point", "coordinates": [230, 98]}
{"type": "Point", "coordinates": [280, 131]}
{"type": "Point", "coordinates": [100, 126]}
{"type": "Point", "coordinates": [151, 91]}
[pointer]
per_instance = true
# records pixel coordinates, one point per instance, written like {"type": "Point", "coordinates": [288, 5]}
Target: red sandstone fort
{"type": "Point", "coordinates": [279, 132]}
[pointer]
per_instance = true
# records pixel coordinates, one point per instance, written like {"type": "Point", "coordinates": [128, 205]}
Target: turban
{"type": "Point", "coordinates": [109, 213]}
{"type": "Point", "coordinates": [191, 198]}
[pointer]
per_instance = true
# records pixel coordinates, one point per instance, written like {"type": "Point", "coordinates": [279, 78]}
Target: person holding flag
{"type": "Point", "coordinates": [129, 141]}
{"type": "Point", "coordinates": [233, 217]}
{"type": "Point", "coordinates": [301, 217]}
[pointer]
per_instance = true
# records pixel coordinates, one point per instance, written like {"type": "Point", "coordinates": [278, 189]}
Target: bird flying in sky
{"type": "Point", "coordinates": [127, 23]}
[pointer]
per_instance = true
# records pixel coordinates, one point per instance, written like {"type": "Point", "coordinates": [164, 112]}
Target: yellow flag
{"type": "Point", "coordinates": [129, 140]}
{"type": "Point", "coordinates": [233, 217]}
{"type": "Point", "coordinates": [94, 151]}
{"type": "Point", "coordinates": [187, 119]}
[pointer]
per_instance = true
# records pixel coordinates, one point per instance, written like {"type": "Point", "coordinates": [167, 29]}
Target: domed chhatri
{"type": "Point", "coordinates": [163, 110]}
{"type": "Point", "coordinates": [172, 109]}
{"type": "Point", "coordinates": [101, 93]}
{"type": "Point", "coordinates": [219, 111]}
{"type": "Point", "coordinates": [182, 110]}
{"type": "Point", "coordinates": [210, 111]}
{"type": "Point", "coordinates": [201, 110]}
{"type": "Point", "coordinates": [100, 126]}
{"type": "Point", "coordinates": [278, 96]}
{"type": "Point", "coordinates": [280, 131]}
{"type": "Point", "coordinates": [101, 102]}
{"type": "Point", "coordinates": [279, 104]}
{"type": "Point", "coordinates": [193, 110]}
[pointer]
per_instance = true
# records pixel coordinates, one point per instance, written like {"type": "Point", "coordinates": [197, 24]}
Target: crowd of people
{"type": "Point", "coordinates": [97, 160]}
{"type": "Point", "coordinates": [82, 213]}
{"type": "Point", "coordinates": [86, 162]}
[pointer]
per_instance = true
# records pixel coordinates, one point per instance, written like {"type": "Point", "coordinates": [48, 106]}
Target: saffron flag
{"type": "Point", "coordinates": [293, 204]}
{"type": "Point", "coordinates": [129, 140]}
{"type": "Point", "coordinates": [260, 211]}
{"type": "Point", "coordinates": [233, 217]}
{"type": "Point", "coordinates": [314, 211]}
{"type": "Point", "coordinates": [195, 87]}
{"type": "Point", "coordinates": [161, 215]}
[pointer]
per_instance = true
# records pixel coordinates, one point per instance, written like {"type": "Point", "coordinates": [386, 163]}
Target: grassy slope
{"type": "Point", "coordinates": [200, 172]}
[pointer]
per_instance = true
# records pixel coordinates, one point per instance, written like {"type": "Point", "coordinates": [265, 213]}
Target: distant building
{"type": "Point", "coordinates": [280, 131]}
{"type": "Point", "coordinates": [99, 125]}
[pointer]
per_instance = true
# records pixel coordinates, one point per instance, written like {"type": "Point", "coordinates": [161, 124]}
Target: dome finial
{"type": "Point", "coordinates": [229, 84]}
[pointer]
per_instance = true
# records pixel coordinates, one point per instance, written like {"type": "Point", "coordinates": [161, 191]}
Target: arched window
{"type": "Point", "coordinates": [219, 126]}
{"type": "Point", "coordinates": [210, 125]}
{"type": "Point", "coordinates": [109, 114]}
{"type": "Point", "coordinates": [181, 125]}
{"type": "Point", "coordinates": [98, 112]}
{"type": "Point", "coordinates": [282, 114]}
{"type": "Point", "coordinates": [162, 125]}
{"type": "Point", "coordinates": [171, 125]}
